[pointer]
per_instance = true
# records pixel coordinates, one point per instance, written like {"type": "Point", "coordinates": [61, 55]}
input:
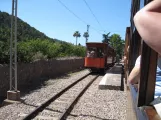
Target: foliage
{"type": "Point", "coordinates": [32, 50]}
{"type": "Point", "coordinates": [25, 52]}
{"type": "Point", "coordinates": [118, 44]}
{"type": "Point", "coordinates": [86, 35]}
{"type": "Point", "coordinates": [4, 52]}
{"type": "Point", "coordinates": [39, 56]}
{"type": "Point", "coordinates": [106, 38]}
{"type": "Point", "coordinates": [79, 51]}
{"type": "Point", "coordinates": [76, 34]}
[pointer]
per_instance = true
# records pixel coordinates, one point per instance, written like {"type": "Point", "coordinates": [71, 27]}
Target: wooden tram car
{"type": "Point", "coordinates": [99, 56]}
{"type": "Point", "coordinates": [135, 46]}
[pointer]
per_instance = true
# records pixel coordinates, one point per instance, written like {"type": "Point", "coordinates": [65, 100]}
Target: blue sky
{"type": "Point", "coordinates": [51, 18]}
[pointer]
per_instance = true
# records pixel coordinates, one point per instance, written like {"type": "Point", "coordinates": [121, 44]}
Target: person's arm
{"type": "Point", "coordinates": [148, 24]}
{"type": "Point", "coordinates": [134, 75]}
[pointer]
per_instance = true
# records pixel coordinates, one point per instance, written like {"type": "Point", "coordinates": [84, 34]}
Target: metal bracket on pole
{"type": "Point", "coordinates": [87, 32]}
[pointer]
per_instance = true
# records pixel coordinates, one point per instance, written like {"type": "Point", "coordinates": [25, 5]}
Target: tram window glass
{"type": "Point", "coordinates": [95, 52]}
{"type": "Point", "coordinates": [92, 52]}
{"type": "Point", "coordinates": [100, 52]}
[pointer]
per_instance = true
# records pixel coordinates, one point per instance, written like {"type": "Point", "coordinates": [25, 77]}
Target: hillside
{"type": "Point", "coordinates": [24, 30]}
{"type": "Point", "coordinates": [32, 44]}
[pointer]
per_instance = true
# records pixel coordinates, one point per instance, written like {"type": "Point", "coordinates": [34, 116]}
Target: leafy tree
{"type": "Point", "coordinates": [86, 35]}
{"type": "Point", "coordinates": [76, 34]}
{"type": "Point", "coordinates": [79, 51]}
{"type": "Point", "coordinates": [118, 44]}
{"type": "Point", "coordinates": [4, 52]}
{"type": "Point", "coordinates": [106, 38]}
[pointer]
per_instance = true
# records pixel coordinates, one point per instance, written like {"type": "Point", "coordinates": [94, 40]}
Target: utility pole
{"type": "Point", "coordinates": [13, 93]}
{"type": "Point", "coordinates": [87, 32]}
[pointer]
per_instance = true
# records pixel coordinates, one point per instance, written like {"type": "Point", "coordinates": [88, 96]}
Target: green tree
{"type": "Point", "coordinates": [106, 38]}
{"type": "Point", "coordinates": [118, 44]}
{"type": "Point", "coordinates": [76, 34]}
{"type": "Point", "coordinates": [86, 35]}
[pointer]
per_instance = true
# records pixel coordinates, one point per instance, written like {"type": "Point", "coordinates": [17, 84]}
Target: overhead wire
{"type": "Point", "coordinates": [72, 12]}
{"type": "Point", "coordinates": [77, 16]}
{"type": "Point", "coordinates": [93, 14]}
{"type": "Point", "coordinates": [98, 31]}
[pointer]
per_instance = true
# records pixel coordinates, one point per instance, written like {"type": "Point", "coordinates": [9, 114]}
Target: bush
{"type": "Point", "coordinates": [39, 56]}
{"type": "Point", "coordinates": [32, 50]}
{"type": "Point", "coordinates": [25, 52]}
{"type": "Point", "coordinates": [79, 51]}
{"type": "Point", "coordinates": [53, 50]}
{"type": "Point", "coordinates": [4, 52]}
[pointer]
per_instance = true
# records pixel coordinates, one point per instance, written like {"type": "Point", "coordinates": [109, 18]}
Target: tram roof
{"type": "Point", "coordinates": [98, 44]}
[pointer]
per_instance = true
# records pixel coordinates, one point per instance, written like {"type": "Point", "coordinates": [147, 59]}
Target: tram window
{"type": "Point", "coordinates": [95, 52]}
{"type": "Point", "coordinates": [100, 52]}
{"type": "Point", "coordinates": [91, 52]}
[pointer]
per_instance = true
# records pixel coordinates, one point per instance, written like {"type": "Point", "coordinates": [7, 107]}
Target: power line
{"type": "Point", "coordinates": [98, 31]}
{"type": "Point", "coordinates": [72, 12]}
{"type": "Point", "coordinates": [93, 14]}
{"type": "Point", "coordinates": [77, 16]}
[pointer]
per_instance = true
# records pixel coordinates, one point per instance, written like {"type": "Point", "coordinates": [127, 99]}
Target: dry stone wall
{"type": "Point", "coordinates": [34, 73]}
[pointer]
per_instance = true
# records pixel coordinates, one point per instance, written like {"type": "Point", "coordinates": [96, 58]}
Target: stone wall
{"type": "Point", "coordinates": [34, 73]}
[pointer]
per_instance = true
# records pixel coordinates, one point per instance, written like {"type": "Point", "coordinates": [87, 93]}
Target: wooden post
{"type": "Point", "coordinates": [147, 75]}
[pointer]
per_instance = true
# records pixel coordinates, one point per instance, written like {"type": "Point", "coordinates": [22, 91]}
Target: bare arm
{"type": "Point", "coordinates": [154, 6]}
{"type": "Point", "coordinates": [134, 75]}
{"type": "Point", "coordinates": [148, 24]}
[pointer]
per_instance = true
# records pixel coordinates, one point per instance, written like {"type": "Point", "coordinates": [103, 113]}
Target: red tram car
{"type": "Point", "coordinates": [99, 56]}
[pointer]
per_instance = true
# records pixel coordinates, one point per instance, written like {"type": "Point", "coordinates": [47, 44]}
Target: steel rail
{"type": "Point", "coordinates": [70, 107]}
{"type": "Point", "coordinates": [35, 112]}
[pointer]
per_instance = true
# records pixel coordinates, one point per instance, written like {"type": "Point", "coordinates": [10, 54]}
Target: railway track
{"type": "Point", "coordinates": [65, 98]}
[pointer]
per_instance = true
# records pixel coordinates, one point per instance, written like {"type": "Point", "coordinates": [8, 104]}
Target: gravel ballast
{"type": "Point", "coordinates": [95, 104]}
{"type": "Point", "coordinates": [98, 104]}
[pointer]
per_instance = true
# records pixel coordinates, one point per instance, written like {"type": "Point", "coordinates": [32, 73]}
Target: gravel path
{"type": "Point", "coordinates": [95, 104]}
{"type": "Point", "coordinates": [98, 104]}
